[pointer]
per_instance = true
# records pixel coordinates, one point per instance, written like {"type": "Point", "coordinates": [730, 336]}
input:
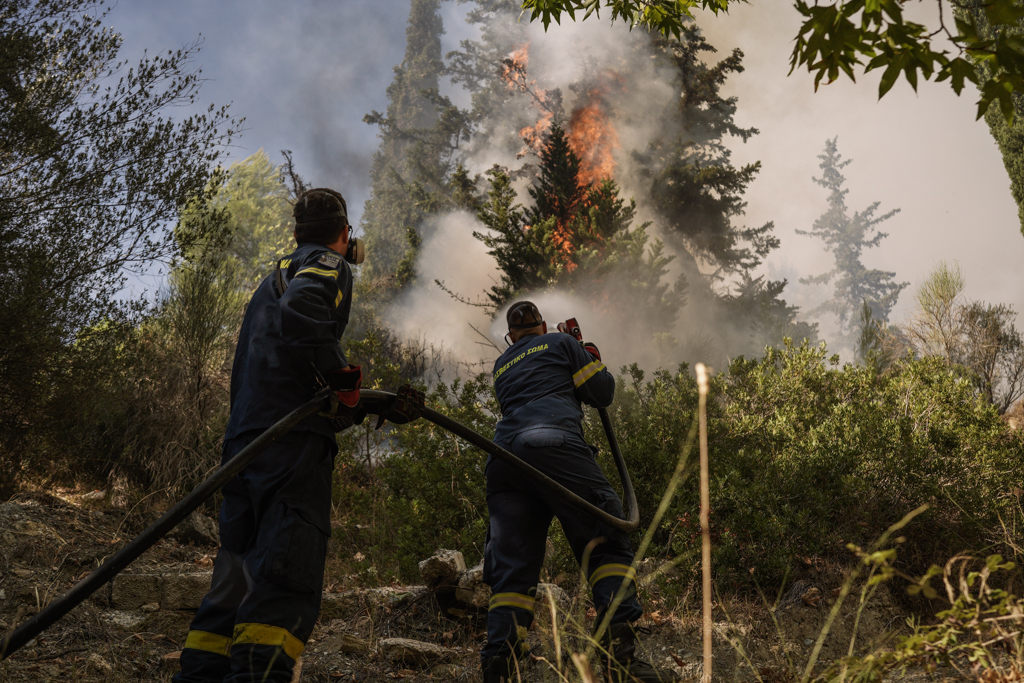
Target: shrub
{"type": "Point", "coordinates": [431, 484]}
{"type": "Point", "coordinates": [806, 457]}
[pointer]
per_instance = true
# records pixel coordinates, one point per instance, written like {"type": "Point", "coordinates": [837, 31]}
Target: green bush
{"type": "Point", "coordinates": [431, 484]}
{"type": "Point", "coordinates": [806, 456]}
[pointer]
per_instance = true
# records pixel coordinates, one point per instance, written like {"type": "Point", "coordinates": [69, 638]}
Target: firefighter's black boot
{"type": "Point", "coordinates": [497, 670]}
{"type": "Point", "coordinates": [620, 661]}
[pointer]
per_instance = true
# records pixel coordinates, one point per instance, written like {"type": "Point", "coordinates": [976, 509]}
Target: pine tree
{"type": "Point", "coordinates": [693, 185]}
{"type": "Point", "coordinates": [847, 237]}
{"type": "Point", "coordinates": [698, 195]}
{"type": "Point", "coordinates": [576, 237]}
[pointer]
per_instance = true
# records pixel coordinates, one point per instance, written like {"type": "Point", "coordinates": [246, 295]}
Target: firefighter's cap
{"type": "Point", "coordinates": [523, 315]}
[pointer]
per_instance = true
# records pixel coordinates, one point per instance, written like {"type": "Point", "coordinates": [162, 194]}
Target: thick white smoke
{"type": "Point", "coordinates": [425, 312]}
{"type": "Point", "coordinates": [639, 96]}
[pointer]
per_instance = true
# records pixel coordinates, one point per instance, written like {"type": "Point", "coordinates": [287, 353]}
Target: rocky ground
{"type": "Point", "coordinates": [132, 629]}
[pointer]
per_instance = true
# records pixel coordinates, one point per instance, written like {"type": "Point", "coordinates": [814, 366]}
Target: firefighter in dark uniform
{"type": "Point", "coordinates": [540, 381]}
{"type": "Point", "coordinates": [275, 520]}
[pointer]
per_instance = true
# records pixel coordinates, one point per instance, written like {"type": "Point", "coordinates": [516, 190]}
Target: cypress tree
{"type": "Point", "coordinates": [392, 208]}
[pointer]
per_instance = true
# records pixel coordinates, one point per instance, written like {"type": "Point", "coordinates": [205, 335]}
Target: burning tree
{"type": "Point", "coordinates": [576, 236]}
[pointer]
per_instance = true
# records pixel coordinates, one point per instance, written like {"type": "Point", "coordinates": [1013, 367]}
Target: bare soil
{"type": "Point", "coordinates": [48, 543]}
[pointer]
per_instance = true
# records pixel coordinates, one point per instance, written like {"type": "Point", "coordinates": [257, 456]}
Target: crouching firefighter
{"type": "Point", "coordinates": [540, 381]}
{"type": "Point", "coordinates": [275, 519]}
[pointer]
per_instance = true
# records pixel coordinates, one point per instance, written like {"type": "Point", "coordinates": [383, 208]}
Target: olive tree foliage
{"type": "Point", "coordinates": [980, 336]}
{"type": "Point", "coordinates": [244, 218]}
{"type": "Point", "coordinates": [179, 381]}
{"type": "Point", "coordinates": [92, 171]}
{"type": "Point", "coordinates": [844, 36]}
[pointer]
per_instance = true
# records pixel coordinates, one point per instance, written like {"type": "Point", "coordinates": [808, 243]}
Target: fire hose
{"type": "Point", "coordinates": [20, 636]}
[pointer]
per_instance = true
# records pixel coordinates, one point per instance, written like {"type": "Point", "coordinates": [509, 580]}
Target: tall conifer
{"type": "Point", "coordinates": [393, 208]}
{"type": "Point", "coordinates": [847, 237]}
{"type": "Point", "coordinates": [578, 237]}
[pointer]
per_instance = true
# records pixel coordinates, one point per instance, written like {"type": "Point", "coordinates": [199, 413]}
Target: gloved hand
{"type": "Point", "coordinates": [345, 382]}
{"type": "Point", "coordinates": [406, 406]}
{"type": "Point", "coordinates": [346, 408]}
{"type": "Point", "coordinates": [592, 350]}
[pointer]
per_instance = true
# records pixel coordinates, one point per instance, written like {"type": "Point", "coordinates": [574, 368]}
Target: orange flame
{"type": "Point", "coordinates": [593, 138]}
{"type": "Point", "coordinates": [513, 73]}
{"type": "Point", "coordinates": [533, 136]}
{"type": "Point", "coordinates": [513, 68]}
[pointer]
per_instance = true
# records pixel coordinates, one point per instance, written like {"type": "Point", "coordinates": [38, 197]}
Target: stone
{"type": "Point", "coordinates": [184, 591]}
{"type": "Point", "coordinates": [411, 651]}
{"type": "Point", "coordinates": [441, 571]}
{"type": "Point", "coordinates": [197, 529]}
{"type": "Point", "coordinates": [344, 643]}
{"type": "Point", "coordinates": [340, 605]}
{"type": "Point", "coordinates": [151, 607]}
{"type": "Point", "coordinates": [348, 603]}
{"type": "Point", "coordinates": [124, 618]}
{"type": "Point", "coordinates": [132, 591]}
{"type": "Point", "coordinates": [543, 611]}
{"type": "Point", "coordinates": [98, 664]}
{"type": "Point", "coordinates": [472, 590]}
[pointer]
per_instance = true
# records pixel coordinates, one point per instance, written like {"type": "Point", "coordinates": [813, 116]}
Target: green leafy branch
{"type": "Point", "coordinates": [662, 16]}
{"type": "Point", "coordinates": [835, 37]}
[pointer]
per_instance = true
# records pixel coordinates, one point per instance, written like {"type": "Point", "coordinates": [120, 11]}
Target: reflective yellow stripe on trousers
{"type": "Point", "coordinates": [264, 634]}
{"type": "Point", "coordinates": [512, 600]}
{"type": "Point", "coordinates": [612, 569]}
{"type": "Point", "coordinates": [208, 642]}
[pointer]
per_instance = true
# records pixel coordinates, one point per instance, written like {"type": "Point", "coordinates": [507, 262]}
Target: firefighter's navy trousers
{"type": "Point", "coordinates": [520, 514]}
{"type": "Point", "coordinates": [268, 574]}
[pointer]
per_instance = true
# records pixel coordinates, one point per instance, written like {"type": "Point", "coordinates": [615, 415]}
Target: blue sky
{"type": "Point", "coordinates": [302, 74]}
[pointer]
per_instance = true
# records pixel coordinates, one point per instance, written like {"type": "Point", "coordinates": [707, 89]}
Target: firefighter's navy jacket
{"type": "Point", "coordinates": [285, 335]}
{"type": "Point", "coordinates": [540, 381]}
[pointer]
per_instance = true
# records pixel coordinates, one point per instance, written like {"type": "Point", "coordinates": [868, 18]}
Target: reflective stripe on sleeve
{"type": "Point", "coordinates": [208, 642]}
{"type": "Point", "coordinates": [318, 271]}
{"type": "Point", "coordinates": [512, 600]}
{"type": "Point", "coordinates": [612, 569]}
{"type": "Point", "coordinates": [264, 634]}
{"type": "Point", "coordinates": [587, 371]}
{"type": "Point", "coordinates": [337, 299]}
